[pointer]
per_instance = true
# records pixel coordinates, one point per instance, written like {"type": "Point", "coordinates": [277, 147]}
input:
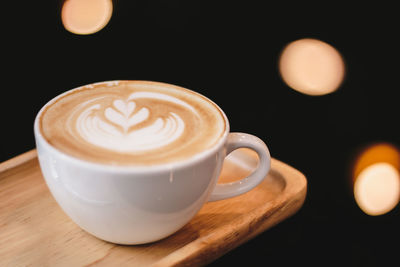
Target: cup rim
{"type": "Point", "coordinates": [150, 168]}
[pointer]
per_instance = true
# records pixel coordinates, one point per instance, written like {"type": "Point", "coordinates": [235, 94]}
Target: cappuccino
{"type": "Point", "coordinates": [132, 123]}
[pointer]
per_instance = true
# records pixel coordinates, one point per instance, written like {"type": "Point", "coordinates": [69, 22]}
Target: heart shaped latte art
{"type": "Point", "coordinates": [121, 114]}
{"type": "Point", "coordinates": [113, 131]}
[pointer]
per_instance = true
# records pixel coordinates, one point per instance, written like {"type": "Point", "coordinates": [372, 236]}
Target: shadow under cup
{"type": "Point", "coordinates": [142, 204]}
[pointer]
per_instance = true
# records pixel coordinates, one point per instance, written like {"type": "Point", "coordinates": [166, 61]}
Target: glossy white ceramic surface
{"type": "Point", "coordinates": [136, 205]}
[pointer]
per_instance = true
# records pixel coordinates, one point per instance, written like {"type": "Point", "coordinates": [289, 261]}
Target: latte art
{"type": "Point", "coordinates": [132, 123]}
{"type": "Point", "coordinates": [113, 129]}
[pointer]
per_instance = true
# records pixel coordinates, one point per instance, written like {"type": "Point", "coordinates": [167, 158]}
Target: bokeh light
{"type": "Point", "coordinates": [376, 179]}
{"type": "Point", "coordinates": [311, 67]}
{"type": "Point", "coordinates": [86, 16]}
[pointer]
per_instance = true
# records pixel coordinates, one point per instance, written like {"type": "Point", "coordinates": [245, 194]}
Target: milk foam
{"type": "Point", "coordinates": [132, 123]}
{"type": "Point", "coordinates": [103, 131]}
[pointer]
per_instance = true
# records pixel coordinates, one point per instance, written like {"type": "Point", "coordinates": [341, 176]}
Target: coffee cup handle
{"type": "Point", "coordinates": [243, 140]}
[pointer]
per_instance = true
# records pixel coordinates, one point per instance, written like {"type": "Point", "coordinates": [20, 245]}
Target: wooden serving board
{"type": "Point", "coordinates": [34, 231]}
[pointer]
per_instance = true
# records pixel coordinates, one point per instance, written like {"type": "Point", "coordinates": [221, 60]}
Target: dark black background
{"type": "Point", "coordinates": [229, 52]}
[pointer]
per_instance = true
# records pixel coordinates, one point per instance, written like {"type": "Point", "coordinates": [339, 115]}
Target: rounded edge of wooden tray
{"type": "Point", "coordinates": [247, 226]}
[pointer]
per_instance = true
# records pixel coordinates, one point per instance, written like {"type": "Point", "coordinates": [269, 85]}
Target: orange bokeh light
{"type": "Point", "coordinates": [376, 179]}
{"type": "Point", "coordinates": [86, 16]}
{"type": "Point", "coordinates": [312, 67]}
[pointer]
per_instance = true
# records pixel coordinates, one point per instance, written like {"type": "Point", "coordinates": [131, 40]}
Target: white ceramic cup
{"type": "Point", "coordinates": [136, 205]}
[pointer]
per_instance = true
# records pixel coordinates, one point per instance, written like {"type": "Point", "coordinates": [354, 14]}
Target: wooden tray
{"type": "Point", "coordinates": [34, 231]}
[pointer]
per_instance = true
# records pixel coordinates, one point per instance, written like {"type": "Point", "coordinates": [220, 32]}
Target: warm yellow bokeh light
{"type": "Point", "coordinates": [376, 179]}
{"type": "Point", "coordinates": [311, 67]}
{"type": "Point", "coordinates": [86, 16]}
{"type": "Point", "coordinates": [377, 189]}
{"type": "Point", "coordinates": [380, 152]}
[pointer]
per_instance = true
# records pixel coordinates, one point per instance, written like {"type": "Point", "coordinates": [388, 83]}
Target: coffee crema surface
{"type": "Point", "coordinates": [132, 123]}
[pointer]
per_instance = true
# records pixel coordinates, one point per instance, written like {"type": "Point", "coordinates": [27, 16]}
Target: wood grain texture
{"type": "Point", "coordinates": [34, 231]}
